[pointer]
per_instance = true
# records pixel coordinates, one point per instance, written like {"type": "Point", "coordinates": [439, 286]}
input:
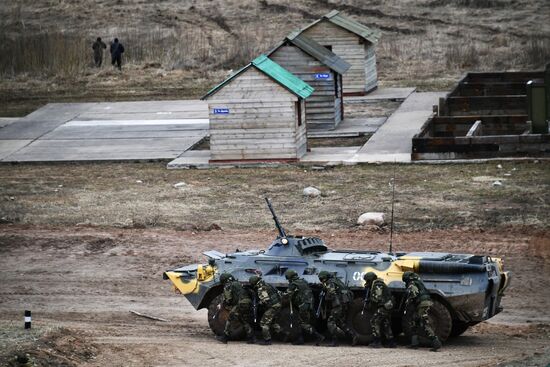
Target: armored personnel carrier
{"type": "Point", "coordinates": [466, 288]}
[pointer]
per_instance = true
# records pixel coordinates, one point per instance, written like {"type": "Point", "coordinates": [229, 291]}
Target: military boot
{"type": "Point", "coordinates": [318, 338]}
{"type": "Point", "coordinates": [391, 343]}
{"type": "Point", "coordinates": [436, 344]}
{"type": "Point", "coordinates": [375, 343]}
{"type": "Point", "coordinates": [222, 338]}
{"type": "Point", "coordinates": [265, 342]}
{"type": "Point", "coordinates": [414, 342]}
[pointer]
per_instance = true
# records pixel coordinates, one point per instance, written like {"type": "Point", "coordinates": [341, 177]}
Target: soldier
{"type": "Point", "coordinates": [380, 301]}
{"type": "Point", "coordinates": [337, 297]}
{"type": "Point", "coordinates": [301, 297]}
{"type": "Point", "coordinates": [98, 46]}
{"type": "Point", "coordinates": [420, 299]}
{"type": "Point", "coordinates": [270, 299]}
{"type": "Point", "coordinates": [237, 300]}
{"type": "Point", "coordinates": [116, 53]}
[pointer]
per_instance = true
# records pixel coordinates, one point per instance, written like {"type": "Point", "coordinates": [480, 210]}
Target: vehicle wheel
{"type": "Point", "coordinates": [440, 319]}
{"type": "Point", "coordinates": [284, 321]}
{"type": "Point", "coordinates": [458, 328]}
{"type": "Point", "coordinates": [217, 324]}
{"type": "Point", "coordinates": [359, 321]}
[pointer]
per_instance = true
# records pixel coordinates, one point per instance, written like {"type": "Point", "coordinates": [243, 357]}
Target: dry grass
{"type": "Point", "coordinates": [109, 195]}
{"type": "Point", "coordinates": [426, 43]}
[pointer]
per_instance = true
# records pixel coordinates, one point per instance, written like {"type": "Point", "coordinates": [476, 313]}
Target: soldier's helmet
{"type": "Point", "coordinates": [414, 276]}
{"type": "Point", "coordinates": [407, 276]}
{"type": "Point", "coordinates": [254, 279]}
{"type": "Point", "coordinates": [225, 277]}
{"type": "Point", "coordinates": [291, 274]}
{"type": "Point", "coordinates": [324, 275]}
{"type": "Point", "coordinates": [369, 277]}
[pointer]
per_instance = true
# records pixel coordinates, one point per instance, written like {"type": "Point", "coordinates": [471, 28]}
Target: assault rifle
{"type": "Point", "coordinates": [366, 300]}
{"type": "Point", "coordinates": [321, 298]}
{"type": "Point", "coordinates": [255, 308]}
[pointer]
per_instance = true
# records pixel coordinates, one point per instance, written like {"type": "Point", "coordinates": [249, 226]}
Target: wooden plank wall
{"type": "Point", "coordinates": [371, 76]}
{"type": "Point", "coordinates": [261, 123]}
{"type": "Point", "coordinates": [346, 45]}
{"type": "Point", "coordinates": [320, 106]}
{"type": "Point", "coordinates": [536, 145]}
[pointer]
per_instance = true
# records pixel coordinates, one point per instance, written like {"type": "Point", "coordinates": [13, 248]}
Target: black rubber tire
{"type": "Point", "coordinates": [217, 325]}
{"type": "Point", "coordinates": [284, 319]}
{"type": "Point", "coordinates": [458, 328]}
{"type": "Point", "coordinates": [440, 319]}
{"type": "Point", "coordinates": [359, 321]}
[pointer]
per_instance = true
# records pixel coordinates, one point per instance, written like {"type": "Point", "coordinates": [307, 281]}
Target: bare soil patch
{"type": "Point", "coordinates": [82, 291]}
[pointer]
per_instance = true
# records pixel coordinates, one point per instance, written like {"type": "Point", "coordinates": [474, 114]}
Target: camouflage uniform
{"type": "Point", "coordinates": [237, 300]}
{"type": "Point", "coordinates": [301, 297]}
{"type": "Point", "coordinates": [337, 297]}
{"type": "Point", "coordinates": [270, 300]}
{"type": "Point", "coordinates": [380, 301]}
{"type": "Point", "coordinates": [418, 296]}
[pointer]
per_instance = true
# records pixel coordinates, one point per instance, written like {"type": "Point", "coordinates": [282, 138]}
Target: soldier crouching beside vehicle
{"type": "Point", "coordinates": [301, 299]}
{"type": "Point", "coordinates": [379, 299]}
{"type": "Point", "coordinates": [418, 298]}
{"type": "Point", "coordinates": [270, 300]}
{"type": "Point", "coordinates": [337, 297]}
{"type": "Point", "coordinates": [237, 300]}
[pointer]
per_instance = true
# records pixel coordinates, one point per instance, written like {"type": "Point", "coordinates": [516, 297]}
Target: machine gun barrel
{"type": "Point", "coordinates": [277, 224]}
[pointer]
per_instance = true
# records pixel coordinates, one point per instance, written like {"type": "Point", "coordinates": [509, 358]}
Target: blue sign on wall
{"type": "Point", "coordinates": [322, 76]}
{"type": "Point", "coordinates": [221, 111]}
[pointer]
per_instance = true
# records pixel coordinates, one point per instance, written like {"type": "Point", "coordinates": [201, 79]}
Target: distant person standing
{"type": "Point", "coordinates": [98, 47]}
{"type": "Point", "coordinates": [116, 53]}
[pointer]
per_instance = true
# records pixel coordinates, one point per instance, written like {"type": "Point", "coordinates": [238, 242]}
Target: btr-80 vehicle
{"type": "Point", "coordinates": [466, 289]}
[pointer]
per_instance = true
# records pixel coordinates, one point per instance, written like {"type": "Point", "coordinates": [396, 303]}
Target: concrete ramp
{"type": "Point", "coordinates": [105, 131]}
{"type": "Point", "coordinates": [393, 140]}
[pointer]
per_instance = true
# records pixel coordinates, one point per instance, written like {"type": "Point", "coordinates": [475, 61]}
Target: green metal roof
{"type": "Point", "coordinates": [273, 70]}
{"type": "Point", "coordinates": [369, 34]}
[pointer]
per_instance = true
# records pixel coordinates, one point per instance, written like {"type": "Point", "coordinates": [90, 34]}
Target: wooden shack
{"type": "Point", "coordinates": [258, 114]}
{"type": "Point", "coordinates": [321, 69]}
{"type": "Point", "coordinates": [353, 42]}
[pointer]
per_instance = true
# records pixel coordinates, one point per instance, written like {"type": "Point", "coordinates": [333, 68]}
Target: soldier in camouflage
{"type": "Point", "coordinates": [237, 300]}
{"type": "Point", "coordinates": [379, 300]}
{"type": "Point", "coordinates": [337, 297]}
{"type": "Point", "coordinates": [270, 300]}
{"type": "Point", "coordinates": [301, 297]}
{"type": "Point", "coordinates": [418, 298]}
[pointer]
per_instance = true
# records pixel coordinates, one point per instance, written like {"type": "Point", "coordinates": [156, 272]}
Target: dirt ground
{"type": "Point", "coordinates": [81, 283]}
{"type": "Point", "coordinates": [82, 245]}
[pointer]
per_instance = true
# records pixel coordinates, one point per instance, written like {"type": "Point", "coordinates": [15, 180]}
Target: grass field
{"type": "Point", "coordinates": [142, 195]}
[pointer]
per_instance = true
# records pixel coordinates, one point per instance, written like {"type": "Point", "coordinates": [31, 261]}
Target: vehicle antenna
{"type": "Point", "coordinates": [392, 205]}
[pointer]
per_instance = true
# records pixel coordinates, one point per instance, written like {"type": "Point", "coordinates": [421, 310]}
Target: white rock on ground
{"type": "Point", "coordinates": [311, 192]}
{"type": "Point", "coordinates": [497, 183]}
{"type": "Point", "coordinates": [180, 184]}
{"type": "Point", "coordinates": [371, 218]}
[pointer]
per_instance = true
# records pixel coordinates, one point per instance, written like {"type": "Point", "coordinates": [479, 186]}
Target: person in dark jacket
{"type": "Point", "coordinates": [98, 46]}
{"type": "Point", "coordinates": [116, 53]}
